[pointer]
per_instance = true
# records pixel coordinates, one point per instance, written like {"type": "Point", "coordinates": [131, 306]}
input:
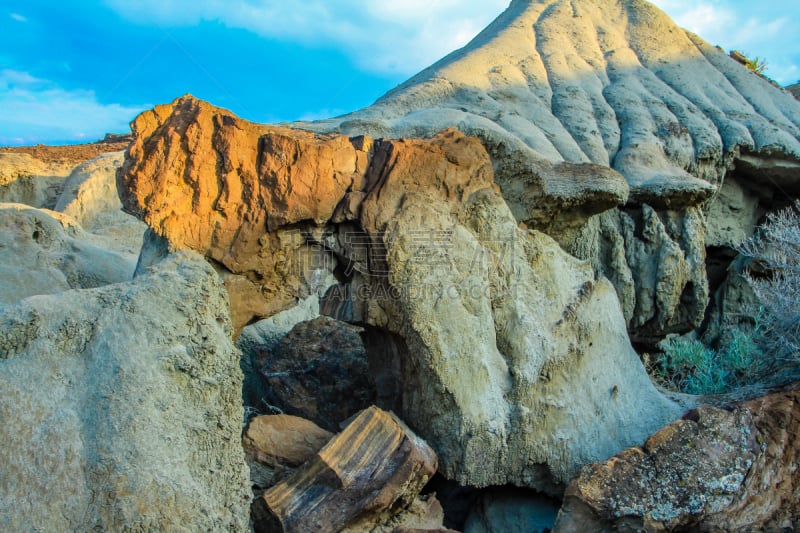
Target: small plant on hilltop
{"type": "Point", "coordinates": [757, 65]}
{"type": "Point", "coordinates": [774, 276]}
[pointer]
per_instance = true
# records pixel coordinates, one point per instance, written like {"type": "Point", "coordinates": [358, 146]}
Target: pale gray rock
{"type": "Point", "coordinates": [121, 407]}
{"type": "Point", "coordinates": [90, 197]}
{"type": "Point", "coordinates": [733, 214]}
{"type": "Point", "coordinates": [614, 84]}
{"type": "Point", "coordinates": [45, 252]}
{"type": "Point", "coordinates": [502, 328]}
{"type": "Point", "coordinates": [27, 180]}
{"type": "Point", "coordinates": [656, 261]}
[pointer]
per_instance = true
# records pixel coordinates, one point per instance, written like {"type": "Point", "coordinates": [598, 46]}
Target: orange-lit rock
{"type": "Point", "coordinates": [207, 180]}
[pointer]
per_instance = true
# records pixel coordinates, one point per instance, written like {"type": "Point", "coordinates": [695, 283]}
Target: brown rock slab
{"type": "Point", "coordinates": [375, 467]}
{"type": "Point", "coordinates": [276, 444]}
{"type": "Point", "coordinates": [714, 470]}
{"type": "Point", "coordinates": [207, 180]}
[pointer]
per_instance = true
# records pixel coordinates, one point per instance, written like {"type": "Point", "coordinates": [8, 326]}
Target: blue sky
{"type": "Point", "coordinates": [72, 70]}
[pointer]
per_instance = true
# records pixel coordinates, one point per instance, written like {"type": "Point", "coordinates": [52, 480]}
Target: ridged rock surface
{"type": "Point", "coordinates": [715, 470]}
{"type": "Point", "coordinates": [121, 407]}
{"type": "Point", "coordinates": [498, 326]}
{"type": "Point", "coordinates": [589, 104]}
{"type": "Point", "coordinates": [363, 476]}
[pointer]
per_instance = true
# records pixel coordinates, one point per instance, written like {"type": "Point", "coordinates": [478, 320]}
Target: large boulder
{"type": "Point", "coordinates": [121, 407]}
{"type": "Point", "coordinates": [208, 181]}
{"type": "Point", "coordinates": [493, 329]}
{"type": "Point", "coordinates": [318, 371]}
{"type": "Point", "coordinates": [715, 470]}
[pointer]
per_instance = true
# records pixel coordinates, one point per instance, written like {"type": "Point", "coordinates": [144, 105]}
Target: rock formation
{"type": "Point", "coordinates": [121, 407]}
{"type": "Point", "coordinates": [27, 180]}
{"type": "Point", "coordinates": [274, 445]}
{"type": "Point", "coordinates": [90, 196]}
{"type": "Point", "coordinates": [714, 470]}
{"type": "Point", "coordinates": [588, 105]}
{"type": "Point", "coordinates": [318, 371]}
{"type": "Point", "coordinates": [366, 474]}
{"type": "Point", "coordinates": [497, 326]}
{"type": "Point", "coordinates": [239, 210]}
{"type": "Point", "coordinates": [45, 252]}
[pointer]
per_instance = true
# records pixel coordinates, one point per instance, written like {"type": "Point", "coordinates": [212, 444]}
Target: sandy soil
{"type": "Point", "coordinates": [74, 154]}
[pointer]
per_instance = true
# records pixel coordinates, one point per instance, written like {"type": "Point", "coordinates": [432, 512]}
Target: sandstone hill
{"type": "Point", "coordinates": [588, 105]}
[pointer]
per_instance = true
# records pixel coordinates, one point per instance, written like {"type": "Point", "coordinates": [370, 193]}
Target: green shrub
{"type": "Point", "coordinates": [690, 366]}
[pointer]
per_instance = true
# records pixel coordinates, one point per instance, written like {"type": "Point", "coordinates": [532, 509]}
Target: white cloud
{"type": "Point", "coordinates": [390, 37]}
{"type": "Point", "coordinates": [18, 17]}
{"type": "Point", "coordinates": [35, 110]}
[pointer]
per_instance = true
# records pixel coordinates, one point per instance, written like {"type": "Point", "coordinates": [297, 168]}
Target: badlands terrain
{"type": "Point", "coordinates": [432, 313]}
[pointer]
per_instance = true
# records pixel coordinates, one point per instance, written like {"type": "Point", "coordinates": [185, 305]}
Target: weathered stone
{"type": "Point", "coordinates": [714, 470]}
{"type": "Point", "coordinates": [318, 371]}
{"type": "Point", "coordinates": [586, 105]}
{"type": "Point", "coordinates": [274, 445]}
{"type": "Point", "coordinates": [618, 85]}
{"type": "Point", "coordinates": [498, 325]}
{"type": "Point", "coordinates": [206, 180]}
{"type": "Point", "coordinates": [656, 261]}
{"type": "Point", "coordinates": [90, 197]}
{"type": "Point", "coordinates": [365, 475]}
{"type": "Point", "coordinates": [265, 335]}
{"type": "Point", "coordinates": [25, 179]}
{"type": "Point", "coordinates": [121, 407]}
{"type": "Point", "coordinates": [45, 252]}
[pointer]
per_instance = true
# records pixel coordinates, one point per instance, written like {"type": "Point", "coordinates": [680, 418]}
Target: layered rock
{"type": "Point", "coordinates": [367, 473]}
{"type": "Point", "coordinates": [121, 407]}
{"type": "Point", "coordinates": [714, 470]}
{"type": "Point", "coordinates": [275, 445]}
{"type": "Point", "coordinates": [585, 105]}
{"type": "Point", "coordinates": [495, 327]}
